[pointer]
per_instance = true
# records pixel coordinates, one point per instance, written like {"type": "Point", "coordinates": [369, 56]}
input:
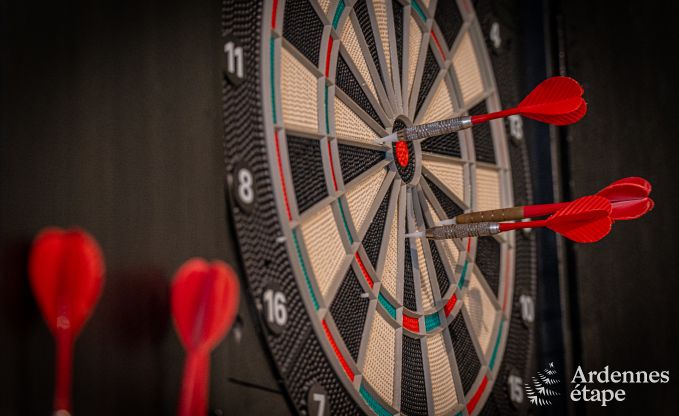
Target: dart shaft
{"type": "Point", "coordinates": [64, 362]}
{"type": "Point", "coordinates": [510, 214]}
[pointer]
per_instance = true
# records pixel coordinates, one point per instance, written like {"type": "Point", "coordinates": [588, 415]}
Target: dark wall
{"type": "Point", "coordinates": [111, 121]}
{"type": "Point", "coordinates": [625, 54]}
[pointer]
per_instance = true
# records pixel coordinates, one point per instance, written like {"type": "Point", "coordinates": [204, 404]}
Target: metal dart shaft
{"type": "Point", "coordinates": [478, 229]}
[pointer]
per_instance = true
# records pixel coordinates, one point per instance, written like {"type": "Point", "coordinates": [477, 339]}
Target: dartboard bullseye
{"type": "Point", "coordinates": [378, 320]}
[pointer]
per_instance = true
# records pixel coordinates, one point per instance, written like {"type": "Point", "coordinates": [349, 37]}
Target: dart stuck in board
{"type": "Point", "coordinates": [556, 100]}
{"type": "Point", "coordinates": [585, 220]}
{"type": "Point", "coordinates": [629, 198]}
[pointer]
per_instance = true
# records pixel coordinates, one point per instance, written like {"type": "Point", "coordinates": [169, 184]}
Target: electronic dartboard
{"type": "Point", "coordinates": [358, 315]}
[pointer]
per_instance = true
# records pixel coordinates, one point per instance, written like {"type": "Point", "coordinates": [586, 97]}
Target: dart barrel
{"type": "Point", "coordinates": [479, 229]}
{"type": "Point", "coordinates": [436, 128]}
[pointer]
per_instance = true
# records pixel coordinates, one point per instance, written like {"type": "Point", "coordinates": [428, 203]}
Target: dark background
{"type": "Point", "coordinates": [111, 120]}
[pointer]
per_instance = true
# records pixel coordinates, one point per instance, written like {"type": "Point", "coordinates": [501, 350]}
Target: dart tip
{"type": "Point", "coordinates": [416, 234]}
{"type": "Point", "coordinates": [389, 139]}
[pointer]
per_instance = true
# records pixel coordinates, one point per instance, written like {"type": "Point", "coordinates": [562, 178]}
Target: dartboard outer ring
{"type": "Point", "coordinates": [297, 356]}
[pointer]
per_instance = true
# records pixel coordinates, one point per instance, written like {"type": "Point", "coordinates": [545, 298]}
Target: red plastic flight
{"type": "Point", "coordinates": [204, 300]}
{"type": "Point", "coordinates": [629, 198]}
{"type": "Point", "coordinates": [585, 220]}
{"type": "Point", "coordinates": [66, 270]}
{"type": "Point", "coordinates": [556, 100]}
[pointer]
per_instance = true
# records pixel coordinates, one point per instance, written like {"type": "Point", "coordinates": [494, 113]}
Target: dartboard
{"type": "Point", "coordinates": [359, 316]}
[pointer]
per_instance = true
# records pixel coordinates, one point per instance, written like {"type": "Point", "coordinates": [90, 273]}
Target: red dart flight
{"type": "Point", "coordinates": [204, 300]}
{"type": "Point", "coordinates": [66, 271]}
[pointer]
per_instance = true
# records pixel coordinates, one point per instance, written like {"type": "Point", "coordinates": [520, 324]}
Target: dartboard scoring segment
{"type": "Point", "coordinates": [402, 320]}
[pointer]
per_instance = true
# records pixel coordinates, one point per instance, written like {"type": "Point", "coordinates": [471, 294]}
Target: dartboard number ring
{"type": "Point", "coordinates": [234, 60]}
{"type": "Point", "coordinates": [317, 401]}
{"type": "Point", "coordinates": [243, 186]}
{"type": "Point", "coordinates": [515, 388]}
{"type": "Point", "coordinates": [275, 308]}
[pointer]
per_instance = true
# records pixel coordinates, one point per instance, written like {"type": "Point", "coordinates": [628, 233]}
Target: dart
{"type": "Point", "coordinates": [66, 271]}
{"type": "Point", "coordinates": [204, 302]}
{"type": "Point", "coordinates": [556, 100]}
{"type": "Point", "coordinates": [585, 220]}
{"type": "Point", "coordinates": [629, 198]}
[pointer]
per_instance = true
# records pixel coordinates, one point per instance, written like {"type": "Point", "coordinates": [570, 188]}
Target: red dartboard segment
{"type": "Point", "coordinates": [411, 323]}
{"type": "Point", "coordinates": [471, 405]}
{"type": "Point", "coordinates": [364, 270]}
{"type": "Point", "coordinates": [402, 154]}
{"type": "Point", "coordinates": [339, 355]}
{"type": "Point", "coordinates": [450, 304]}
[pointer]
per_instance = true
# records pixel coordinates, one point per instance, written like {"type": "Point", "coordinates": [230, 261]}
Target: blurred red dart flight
{"type": "Point", "coordinates": [66, 270]}
{"type": "Point", "coordinates": [204, 300]}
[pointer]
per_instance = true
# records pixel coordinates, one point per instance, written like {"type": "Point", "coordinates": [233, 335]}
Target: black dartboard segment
{"type": "Point", "coordinates": [372, 242]}
{"type": "Point", "coordinates": [483, 139]}
{"type": "Point", "coordinates": [465, 354]}
{"type": "Point", "coordinates": [408, 282]}
{"type": "Point", "coordinates": [347, 339]}
{"type": "Point", "coordinates": [303, 28]}
{"type": "Point", "coordinates": [449, 206]}
{"type": "Point", "coordinates": [488, 259]}
{"type": "Point", "coordinates": [348, 83]}
{"type": "Point", "coordinates": [414, 393]}
{"type": "Point", "coordinates": [356, 160]}
{"type": "Point", "coordinates": [447, 144]}
{"type": "Point", "coordinates": [441, 275]}
{"type": "Point", "coordinates": [361, 9]}
{"type": "Point", "coordinates": [306, 165]}
{"type": "Point", "coordinates": [449, 19]}
{"type": "Point", "coordinates": [349, 309]}
{"type": "Point", "coordinates": [398, 29]}
{"type": "Point", "coordinates": [431, 71]}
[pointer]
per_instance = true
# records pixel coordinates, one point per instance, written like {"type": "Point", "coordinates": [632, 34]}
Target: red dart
{"type": "Point", "coordinates": [556, 100]}
{"type": "Point", "coordinates": [204, 300]}
{"type": "Point", "coordinates": [628, 197]}
{"type": "Point", "coordinates": [585, 220]}
{"type": "Point", "coordinates": [66, 270]}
